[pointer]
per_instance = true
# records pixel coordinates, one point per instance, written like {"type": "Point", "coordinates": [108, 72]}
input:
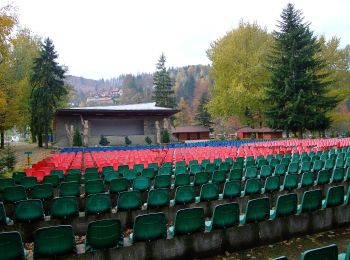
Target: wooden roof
{"type": "Point", "coordinates": [190, 129]}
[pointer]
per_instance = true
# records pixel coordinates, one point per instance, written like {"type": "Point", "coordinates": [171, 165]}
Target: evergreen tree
{"type": "Point", "coordinates": [203, 117]}
{"type": "Point", "coordinates": [163, 93]}
{"type": "Point", "coordinates": [48, 90]}
{"type": "Point", "coordinates": [297, 91]}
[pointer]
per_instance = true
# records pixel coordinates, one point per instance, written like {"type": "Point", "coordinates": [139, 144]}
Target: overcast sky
{"type": "Point", "coordinates": [105, 38]}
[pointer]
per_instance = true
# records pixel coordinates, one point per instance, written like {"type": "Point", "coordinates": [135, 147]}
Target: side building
{"type": "Point", "coordinates": [136, 121]}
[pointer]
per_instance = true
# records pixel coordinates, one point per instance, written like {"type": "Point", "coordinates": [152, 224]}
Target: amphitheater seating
{"type": "Point", "coordinates": [149, 227]}
{"type": "Point", "coordinates": [28, 210]}
{"type": "Point", "coordinates": [327, 252]}
{"type": "Point", "coordinates": [13, 194]}
{"type": "Point", "coordinates": [8, 182]}
{"type": "Point", "coordinates": [183, 195]}
{"type": "Point", "coordinates": [224, 216]}
{"type": "Point", "coordinates": [334, 197]}
{"type": "Point", "coordinates": [286, 205]}
{"type": "Point", "coordinates": [17, 176]}
{"type": "Point", "coordinates": [129, 200]}
{"type": "Point", "coordinates": [158, 198]}
{"type": "Point", "coordinates": [98, 203]}
{"type": "Point", "coordinates": [311, 200]}
{"type": "Point", "coordinates": [188, 221]}
{"type": "Point", "coordinates": [256, 210]}
{"type": "Point", "coordinates": [11, 245]}
{"type": "Point", "coordinates": [69, 189]}
{"type": "Point", "coordinates": [42, 192]}
{"type": "Point", "coordinates": [64, 207]}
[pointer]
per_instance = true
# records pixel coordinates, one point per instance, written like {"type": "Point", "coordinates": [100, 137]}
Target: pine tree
{"type": "Point", "coordinates": [48, 89]}
{"type": "Point", "coordinates": [297, 91]}
{"type": "Point", "coordinates": [203, 117]}
{"type": "Point", "coordinates": [163, 93]}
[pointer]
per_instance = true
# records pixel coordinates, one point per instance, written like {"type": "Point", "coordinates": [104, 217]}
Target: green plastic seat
{"type": "Point", "coordinates": [149, 227]}
{"type": "Point", "coordinates": [138, 168]}
{"type": "Point", "coordinates": [314, 158]}
{"type": "Point", "coordinates": [218, 176]}
{"type": "Point", "coordinates": [180, 163]}
{"type": "Point", "coordinates": [7, 182]}
{"type": "Point", "coordinates": [238, 165]}
{"type": "Point", "coordinates": [54, 241]}
{"type": "Point", "coordinates": [318, 165]}
{"type": "Point", "coordinates": [272, 184]}
{"type": "Point", "coordinates": [217, 162]}
{"type": "Point", "coordinates": [11, 246]}
{"type": "Point", "coordinates": [224, 216]}
{"type": "Point", "coordinates": [73, 177]}
{"type": "Point", "coordinates": [167, 164]}
{"type": "Point", "coordinates": [4, 220]}
{"type": "Point", "coordinates": [266, 171]}
{"type": "Point", "coordinates": [29, 182]}
{"type": "Point", "coordinates": [261, 163]}
{"type": "Point", "coordinates": [180, 170]}
{"type": "Point", "coordinates": [286, 205]}
{"type": "Point", "coordinates": [191, 163]}
{"type": "Point", "coordinates": [201, 178]}
{"type": "Point", "coordinates": [236, 174]}
{"type": "Point", "coordinates": [285, 161]}
{"type": "Point", "coordinates": [256, 210]}
{"type": "Point", "coordinates": [183, 195]}
{"type": "Point", "coordinates": [64, 207]}
{"type": "Point", "coordinates": [59, 173]}
{"type": "Point", "coordinates": [162, 181]}
{"type": "Point", "coordinates": [69, 189]}
{"type": "Point", "coordinates": [290, 182]}
{"type": "Point", "coordinates": [149, 173]}
{"type": "Point", "coordinates": [306, 167]}
{"type": "Point", "coordinates": [229, 160]}
{"type": "Point", "coordinates": [323, 177]}
{"type": "Point", "coordinates": [274, 162]}
{"type": "Point", "coordinates": [122, 169]}
{"type": "Point", "coordinates": [232, 189]}
{"type": "Point", "coordinates": [74, 171]}
{"type": "Point", "coordinates": [91, 170]}
{"type": "Point", "coordinates": [293, 168]}
{"type": "Point", "coordinates": [118, 185]}
{"type": "Point", "coordinates": [252, 186]}
{"type": "Point", "coordinates": [347, 174]}
{"type": "Point", "coordinates": [195, 169]}
{"type": "Point", "coordinates": [239, 159]}
{"type": "Point", "coordinates": [181, 179]}
{"type": "Point", "coordinates": [329, 164]}
{"type": "Point", "coordinates": [103, 234]}
{"type": "Point", "coordinates": [93, 187]}
{"type": "Point", "coordinates": [210, 167]}
{"type": "Point", "coordinates": [130, 175]}
{"type": "Point", "coordinates": [188, 221]}
{"type": "Point", "coordinates": [158, 198]}
{"type": "Point", "coordinates": [91, 176]}
{"type": "Point", "coordinates": [347, 162]}
{"type": "Point", "coordinates": [251, 172]}
{"type": "Point", "coordinates": [204, 162]}
{"type": "Point", "coordinates": [98, 203]}
{"type": "Point", "coordinates": [153, 166]}
{"type": "Point", "coordinates": [326, 252]}
{"type": "Point", "coordinates": [42, 191]}
{"type": "Point", "coordinates": [346, 255]}
{"type": "Point", "coordinates": [54, 180]}
{"type": "Point", "coordinates": [28, 210]}
{"type": "Point", "coordinates": [339, 163]}
{"type": "Point", "coordinates": [17, 176]}
{"type": "Point", "coordinates": [250, 163]}
{"type": "Point", "coordinates": [108, 176]}
{"type": "Point", "coordinates": [164, 170]}
{"type": "Point", "coordinates": [334, 197]}
{"type": "Point", "coordinates": [209, 191]}
{"type": "Point", "coordinates": [141, 183]}
{"type": "Point", "coordinates": [280, 169]}
{"type": "Point", "coordinates": [307, 179]}
{"type": "Point", "coordinates": [129, 200]}
{"type": "Point", "coordinates": [13, 194]}
{"type": "Point", "coordinates": [108, 168]}
{"type": "Point", "coordinates": [225, 166]}
{"type": "Point", "coordinates": [311, 200]}
{"type": "Point", "coordinates": [337, 175]}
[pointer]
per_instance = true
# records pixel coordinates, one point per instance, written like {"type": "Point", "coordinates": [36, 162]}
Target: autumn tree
{"type": "Point", "coordinates": [47, 90]}
{"type": "Point", "coordinates": [239, 73]}
{"type": "Point", "coordinates": [163, 93]}
{"type": "Point", "coordinates": [183, 118]}
{"type": "Point", "coordinates": [297, 93]}
{"type": "Point", "coordinates": [203, 117]}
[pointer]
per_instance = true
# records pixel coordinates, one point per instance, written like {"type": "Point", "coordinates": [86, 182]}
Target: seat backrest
{"type": "Point", "coordinates": [150, 227]}
{"type": "Point", "coordinates": [162, 181]}
{"type": "Point", "coordinates": [209, 191]}
{"type": "Point", "coordinates": [118, 185]}
{"type": "Point", "coordinates": [257, 210]}
{"type": "Point", "coordinates": [226, 215]}
{"type": "Point", "coordinates": [91, 170]}
{"type": "Point", "coordinates": [109, 176]}
{"type": "Point", "coordinates": [141, 183]}
{"type": "Point", "coordinates": [54, 180]}
{"type": "Point", "coordinates": [236, 174]}
{"type": "Point", "coordinates": [323, 177]}
{"type": "Point", "coordinates": [293, 168]}
{"type": "Point", "coordinates": [181, 179]}
{"type": "Point", "coordinates": [184, 194]}
{"type": "Point", "coordinates": [3, 217]}
{"type": "Point", "coordinates": [210, 167]}
{"type": "Point", "coordinates": [165, 170]}
{"type": "Point", "coordinates": [180, 163]}
{"type": "Point", "coordinates": [158, 198]}
{"type": "Point", "coordinates": [107, 168]}
{"type": "Point", "coordinates": [91, 176]}
{"type": "Point", "coordinates": [17, 176]}
{"type": "Point", "coordinates": [338, 175]}
{"type": "Point", "coordinates": [329, 164]}
{"type": "Point", "coordinates": [149, 173]}
{"type": "Point", "coordinates": [130, 175]}
{"type": "Point", "coordinates": [201, 178]}
{"type": "Point", "coordinates": [274, 162]}
{"type": "Point", "coordinates": [28, 210]}
{"type": "Point", "coordinates": [326, 252]}
{"type": "Point", "coordinates": [74, 171]}
{"type": "Point", "coordinates": [93, 187]}
{"type": "Point", "coordinates": [252, 186]}
{"type": "Point", "coordinates": [42, 191]}
{"type": "Point", "coordinates": [232, 189]}
{"type": "Point", "coordinates": [251, 172]}
{"type": "Point", "coordinates": [225, 166]}
{"type": "Point", "coordinates": [180, 170]}
{"type": "Point", "coordinates": [218, 176]}
{"type": "Point", "coordinates": [306, 166]}
{"type": "Point", "coordinates": [54, 241]}
{"type": "Point", "coordinates": [286, 205]}
{"type": "Point", "coordinates": [11, 245]}
{"type": "Point", "coordinates": [307, 179]}
{"type": "Point", "coordinates": [14, 193]}
{"type": "Point", "coordinates": [64, 207]}
{"type": "Point", "coordinates": [280, 169]}
{"type": "Point", "coordinates": [29, 182]}
{"type": "Point", "coordinates": [58, 173]}
{"type": "Point", "coordinates": [272, 183]}
{"type": "Point", "coordinates": [335, 196]}
{"type": "Point", "coordinates": [195, 169]}
{"type": "Point", "coordinates": [69, 189]}
{"type": "Point", "coordinates": [266, 171]}
{"type": "Point", "coordinates": [290, 181]}
{"type": "Point", "coordinates": [98, 203]}
{"type": "Point", "coordinates": [188, 221]}
{"type": "Point", "coordinates": [105, 233]}
{"type": "Point", "coordinates": [73, 177]}
{"type": "Point", "coordinates": [129, 200]}
{"type": "Point", "coordinates": [311, 200]}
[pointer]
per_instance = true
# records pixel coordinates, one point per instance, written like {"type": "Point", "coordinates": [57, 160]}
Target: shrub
{"type": "Point", "coordinates": [165, 136]}
{"type": "Point", "coordinates": [103, 141]}
{"type": "Point", "coordinates": [148, 140]}
{"type": "Point", "coordinates": [7, 159]}
{"type": "Point", "coordinates": [77, 139]}
{"type": "Point", "coordinates": [127, 140]}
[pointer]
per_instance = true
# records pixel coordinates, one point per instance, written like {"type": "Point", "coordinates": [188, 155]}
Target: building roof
{"type": "Point", "coordinates": [133, 109]}
{"type": "Point", "coordinates": [190, 129]}
{"type": "Point", "coordinates": [248, 129]}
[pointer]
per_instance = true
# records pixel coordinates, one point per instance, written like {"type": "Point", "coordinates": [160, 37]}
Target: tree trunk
{"type": "Point", "coordinates": [2, 134]}
{"type": "Point", "coordinates": [301, 133]}
{"type": "Point", "coordinates": [40, 140]}
{"type": "Point", "coordinates": [33, 135]}
{"type": "Point", "coordinates": [287, 133]}
{"type": "Point", "coordinates": [46, 139]}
